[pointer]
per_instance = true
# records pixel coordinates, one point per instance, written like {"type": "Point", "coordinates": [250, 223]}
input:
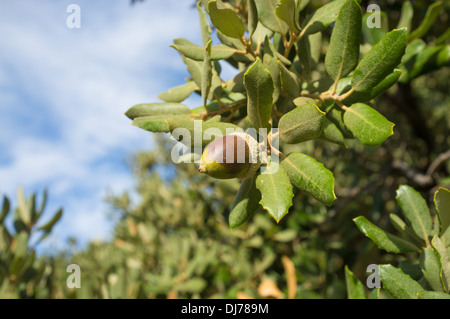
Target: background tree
{"type": "Point", "coordinates": [177, 241]}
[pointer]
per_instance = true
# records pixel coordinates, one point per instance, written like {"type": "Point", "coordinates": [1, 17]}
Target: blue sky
{"type": "Point", "coordinates": [63, 93]}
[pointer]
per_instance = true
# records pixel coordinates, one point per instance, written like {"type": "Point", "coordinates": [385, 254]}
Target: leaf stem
{"type": "Point", "coordinates": [346, 95]}
{"type": "Point", "coordinates": [333, 91]}
{"type": "Point", "coordinates": [312, 96]}
{"type": "Point", "coordinates": [279, 153]}
{"type": "Point", "coordinates": [248, 44]}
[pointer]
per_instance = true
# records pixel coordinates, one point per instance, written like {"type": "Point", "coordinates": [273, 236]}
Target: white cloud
{"type": "Point", "coordinates": [63, 93]}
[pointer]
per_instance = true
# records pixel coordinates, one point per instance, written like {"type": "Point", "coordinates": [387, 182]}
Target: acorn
{"type": "Point", "coordinates": [231, 156]}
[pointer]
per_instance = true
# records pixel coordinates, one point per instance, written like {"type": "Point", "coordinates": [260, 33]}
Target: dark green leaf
{"type": "Point", "coordinates": [259, 86]}
{"type": "Point", "coordinates": [355, 288]}
{"type": "Point", "coordinates": [426, 60]}
{"type": "Point", "coordinates": [310, 176]}
{"type": "Point", "coordinates": [226, 20]}
{"type": "Point", "coordinates": [413, 270]}
{"type": "Point", "coordinates": [406, 15]}
{"type": "Point", "coordinates": [415, 210]}
{"type": "Point", "coordinates": [336, 115]}
{"type": "Point", "coordinates": [331, 133]}
{"type": "Point", "coordinates": [429, 265]}
{"type": "Point", "coordinates": [44, 201]}
{"type": "Point", "coordinates": [367, 125]}
{"type": "Point", "coordinates": [289, 81]}
{"type": "Point", "coordinates": [380, 61]}
{"type": "Point", "coordinates": [303, 48]}
{"type": "Point", "coordinates": [381, 87]}
{"type": "Point", "coordinates": [443, 37]}
{"type": "Point", "coordinates": [404, 230]}
{"type": "Point", "coordinates": [246, 202]}
{"type": "Point", "coordinates": [431, 15]}
{"type": "Point", "coordinates": [47, 227]}
{"type": "Point", "coordinates": [301, 124]}
{"type": "Point", "coordinates": [398, 284]}
{"type": "Point", "coordinates": [444, 262]}
{"type": "Point", "coordinates": [270, 62]}
{"type": "Point", "coordinates": [276, 191]}
{"type": "Point", "coordinates": [322, 17]}
{"type": "Point", "coordinates": [16, 264]}
{"type": "Point", "coordinates": [268, 17]}
{"type": "Point", "coordinates": [285, 10]}
{"type": "Point", "coordinates": [383, 239]}
{"type": "Point", "coordinates": [5, 238]}
{"type": "Point", "coordinates": [5, 209]}
{"type": "Point", "coordinates": [442, 204]}
{"type": "Point", "coordinates": [343, 51]}
{"type": "Point", "coordinates": [206, 73]}
{"type": "Point", "coordinates": [252, 17]}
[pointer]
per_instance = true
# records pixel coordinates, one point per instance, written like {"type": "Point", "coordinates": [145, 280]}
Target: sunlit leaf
{"type": "Point", "coordinates": [276, 191]}
{"type": "Point", "coordinates": [383, 239]}
{"type": "Point", "coordinates": [380, 61]}
{"type": "Point", "coordinates": [415, 210]}
{"type": "Point", "coordinates": [367, 125]}
{"type": "Point", "coordinates": [226, 20]}
{"type": "Point", "coordinates": [398, 284]}
{"type": "Point", "coordinates": [310, 176]}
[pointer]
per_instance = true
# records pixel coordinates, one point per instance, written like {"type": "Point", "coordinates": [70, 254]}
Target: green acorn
{"type": "Point", "coordinates": [232, 156]}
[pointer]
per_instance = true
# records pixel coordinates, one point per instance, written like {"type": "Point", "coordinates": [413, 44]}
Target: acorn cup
{"type": "Point", "coordinates": [232, 156]}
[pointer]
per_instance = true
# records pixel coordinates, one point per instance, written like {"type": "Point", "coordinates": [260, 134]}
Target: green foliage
{"type": "Point", "coordinates": [301, 124]}
{"type": "Point", "coordinates": [276, 191]}
{"type": "Point", "coordinates": [355, 288]}
{"type": "Point", "coordinates": [367, 125]}
{"type": "Point", "coordinates": [193, 236]}
{"type": "Point", "coordinates": [310, 176]}
{"type": "Point", "coordinates": [277, 49]}
{"type": "Point", "coordinates": [259, 86]}
{"type": "Point", "coordinates": [246, 202]}
{"type": "Point", "coordinates": [380, 61]}
{"type": "Point", "coordinates": [442, 202]}
{"type": "Point", "coordinates": [433, 261]}
{"type": "Point", "coordinates": [343, 55]}
{"type": "Point", "coordinates": [331, 96]}
{"type": "Point", "coordinates": [177, 241]}
{"type": "Point", "coordinates": [22, 273]}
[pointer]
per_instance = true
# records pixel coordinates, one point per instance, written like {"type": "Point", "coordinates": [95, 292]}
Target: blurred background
{"type": "Point", "coordinates": [63, 93]}
{"type": "Point", "coordinates": [140, 226]}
